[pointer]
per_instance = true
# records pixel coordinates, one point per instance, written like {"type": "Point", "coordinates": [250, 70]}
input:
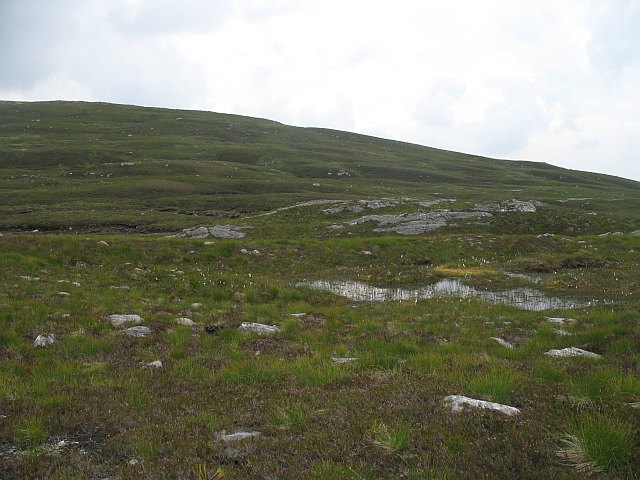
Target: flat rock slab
{"type": "Point", "coordinates": [259, 328]}
{"type": "Point", "coordinates": [44, 340]}
{"type": "Point", "coordinates": [572, 352]}
{"type": "Point", "coordinates": [458, 402]}
{"type": "Point", "coordinates": [560, 320]}
{"type": "Point", "coordinates": [139, 331]}
{"type": "Point", "coordinates": [236, 436]}
{"type": "Point", "coordinates": [417, 223]}
{"type": "Point", "coordinates": [218, 231]}
{"type": "Point", "coordinates": [118, 319]}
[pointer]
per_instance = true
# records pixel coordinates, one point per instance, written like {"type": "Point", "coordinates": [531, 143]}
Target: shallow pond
{"type": "Point", "coordinates": [524, 298]}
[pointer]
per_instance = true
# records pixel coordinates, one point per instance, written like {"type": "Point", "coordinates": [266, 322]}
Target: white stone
{"type": "Point", "coordinates": [502, 342]}
{"type": "Point", "coordinates": [139, 331]}
{"type": "Point", "coordinates": [259, 328]}
{"type": "Point", "coordinates": [561, 332]}
{"type": "Point", "coordinates": [103, 243]}
{"type": "Point", "coordinates": [118, 320]}
{"type": "Point", "coordinates": [341, 360]}
{"type": "Point", "coordinates": [458, 402]}
{"type": "Point", "coordinates": [187, 322]}
{"type": "Point", "coordinates": [44, 340]}
{"type": "Point", "coordinates": [234, 437]}
{"type": "Point", "coordinates": [155, 364]}
{"type": "Point", "coordinates": [559, 320]}
{"type": "Point", "coordinates": [64, 294]}
{"type": "Point", "coordinates": [572, 352]}
{"type": "Point", "coordinates": [196, 305]}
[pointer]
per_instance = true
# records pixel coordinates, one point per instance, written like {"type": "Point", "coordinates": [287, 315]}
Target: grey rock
{"type": "Point", "coordinates": [635, 232]}
{"type": "Point", "coordinates": [139, 331]}
{"type": "Point", "coordinates": [417, 223]}
{"type": "Point", "coordinates": [342, 360]}
{"type": "Point", "coordinates": [559, 320]}
{"type": "Point", "coordinates": [154, 364]}
{"type": "Point", "coordinates": [458, 402]}
{"type": "Point", "coordinates": [63, 294]}
{"type": "Point", "coordinates": [228, 231]}
{"type": "Point", "coordinates": [44, 340]}
{"type": "Point", "coordinates": [196, 305]}
{"type": "Point", "coordinates": [510, 206]}
{"type": "Point", "coordinates": [187, 322]}
{"type": "Point", "coordinates": [237, 436]}
{"type": "Point", "coordinates": [103, 243]}
{"type": "Point", "coordinates": [572, 352]}
{"type": "Point", "coordinates": [118, 320]}
{"type": "Point", "coordinates": [259, 328]}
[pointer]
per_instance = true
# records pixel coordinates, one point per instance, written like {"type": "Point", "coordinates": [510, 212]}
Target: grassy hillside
{"type": "Point", "coordinates": [389, 277]}
{"type": "Point", "coordinates": [115, 167]}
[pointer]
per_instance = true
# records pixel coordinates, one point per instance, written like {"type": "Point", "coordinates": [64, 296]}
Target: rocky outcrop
{"type": "Point", "coordinates": [417, 223]}
{"type": "Point", "coordinates": [459, 402]}
{"type": "Point", "coordinates": [218, 231]}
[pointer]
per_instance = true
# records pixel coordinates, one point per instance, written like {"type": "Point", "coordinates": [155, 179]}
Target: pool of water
{"type": "Point", "coordinates": [524, 298]}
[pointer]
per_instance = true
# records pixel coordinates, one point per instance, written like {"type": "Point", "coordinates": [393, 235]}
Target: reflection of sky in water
{"type": "Point", "coordinates": [525, 298]}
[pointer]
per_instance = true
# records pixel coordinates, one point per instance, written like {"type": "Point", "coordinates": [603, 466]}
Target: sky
{"type": "Point", "coordinates": [552, 81]}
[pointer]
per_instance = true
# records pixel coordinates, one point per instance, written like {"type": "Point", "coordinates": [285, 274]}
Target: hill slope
{"type": "Point", "coordinates": [112, 167]}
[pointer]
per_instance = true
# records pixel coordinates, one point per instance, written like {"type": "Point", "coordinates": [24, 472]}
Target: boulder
{"type": "Point", "coordinates": [237, 436]}
{"type": "Point", "coordinates": [187, 322]}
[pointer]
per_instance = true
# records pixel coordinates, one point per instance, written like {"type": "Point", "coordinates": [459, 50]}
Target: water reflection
{"type": "Point", "coordinates": [524, 298]}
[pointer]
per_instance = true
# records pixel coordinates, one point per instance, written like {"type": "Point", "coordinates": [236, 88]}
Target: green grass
{"type": "Point", "coordinates": [381, 416]}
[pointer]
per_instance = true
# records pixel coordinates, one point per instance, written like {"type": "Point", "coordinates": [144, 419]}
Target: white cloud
{"type": "Point", "coordinates": [549, 81]}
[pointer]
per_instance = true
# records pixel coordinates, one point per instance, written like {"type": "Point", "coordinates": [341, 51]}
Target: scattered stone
{"type": "Point", "coordinates": [237, 436]}
{"type": "Point", "coordinates": [559, 320]}
{"type": "Point", "coordinates": [635, 232]}
{"type": "Point", "coordinates": [76, 284]}
{"type": "Point", "coordinates": [155, 364]}
{"type": "Point", "coordinates": [44, 340]}
{"type": "Point", "coordinates": [342, 360]}
{"type": "Point", "coordinates": [139, 331]}
{"type": "Point", "coordinates": [259, 328]}
{"type": "Point", "coordinates": [187, 322]}
{"type": "Point", "coordinates": [502, 342]}
{"type": "Point", "coordinates": [366, 252]}
{"type": "Point", "coordinates": [458, 402]}
{"type": "Point", "coordinates": [218, 231]}
{"type": "Point", "coordinates": [120, 287]}
{"type": "Point", "coordinates": [440, 201]}
{"type": "Point", "coordinates": [64, 294]}
{"type": "Point", "coordinates": [27, 277]}
{"type": "Point", "coordinates": [66, 315]}
{"type": "Point", "coordinates": [196, 305]}
{"type": "Point", "coordinates": [298, 315]}
{"type": "Point", "coordinates": [572, 352]}
{"type": "Point", "coordinates": [118, 320]}
{"type": "Point", "coordinates": [547, 235]}
{"type": "Point", "coordinates": [255, 252]}
{"type": "Point", "coordinates": [103, 243]}
{"type": "Point", "coordinates": [511, 206]}
{"type": "Point", "coordinates": [562, 333]}
{"type": "Point", "coordinates": [610, 234]}
{"type": "Point", "coordinates": [208, 244]}
{"type": "Point", "coordinates": [133, 461]}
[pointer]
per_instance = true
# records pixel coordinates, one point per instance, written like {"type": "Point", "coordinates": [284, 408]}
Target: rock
{"type": "Point", "coordinates": [635, 232]}
{"type": "Point", "coordinates": [610, 233]}
{"type": "Point", "coordinates": [187, 322]}
{"type": "Point", "coordinates": [219, 231]}
{"type": "Point", "coordinates": [154, 364]}
{"type": "Point", "coordinates": [76, 284]}
{"type": "Point", "coordinates": [118, 320]}
{"type": "Point", "coordinates": [502, 342]}
{"type": "Point", "coordinates": [545, 235]}
{"type": "Point", "coordinates": [572, 352]}
{"type": "Point", "coordinates": [259, 328]}
{"type": "Point", "coordinates": [341, 360]}
{"type": "Point", "coordinates": [366, 252]}
{"type": "Point", "coordinates": [559, 320]}
{"type": "Point", "coordinates": [458, 402]}
{"type": "Point", "coordinates": [417, 223]}
{"type": "Point", "coordinates": [196, 305]}
{"type": "Point", "coordinates": [120, 287]}
{"type": "Point", "coordinates": [298, 315]}
{"type": "Point", "coordinates": [103, 243]}
{"type": "Point", "coordinates": [561, 332]}
{"type": "Point", "coordinates": [63, 294]}
{"type": "Point", "coordinates": [511, 206]}
{"type": "Point", "coordinates": [44, 340]}
{"type": "Point", "coordinates": [237, 436]}
{"type": "Point", "coordinates": [255, 252]}
{"type": "Point", "coordinates": [139, 331]}
{"type": "Point", "coordinates": [208, 244]}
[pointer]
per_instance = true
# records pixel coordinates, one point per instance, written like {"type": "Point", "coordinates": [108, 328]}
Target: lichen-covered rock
{"type": "Point", "coordinates": [458, 402]}
{"type": "Point", "coordinates": [259, 328]}
{"type": "Point", "coordinates": [572, 352]}
{"type": "Point", "coordinates": [44, 340]}
{"type": "Point", "coordinates": [118, 320]}
{"type": "Point", "coordinates": [184, 321]}
{"type": "Point", "coordinates": [139, 331]}
{"type": "Point", "coordinates": [237, 436]}
{"type": "Point", "coordinates": [417, 223]}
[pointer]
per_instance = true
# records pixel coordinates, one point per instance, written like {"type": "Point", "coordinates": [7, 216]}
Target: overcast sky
{"type": "Point", "coordinates": [553, 81]}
